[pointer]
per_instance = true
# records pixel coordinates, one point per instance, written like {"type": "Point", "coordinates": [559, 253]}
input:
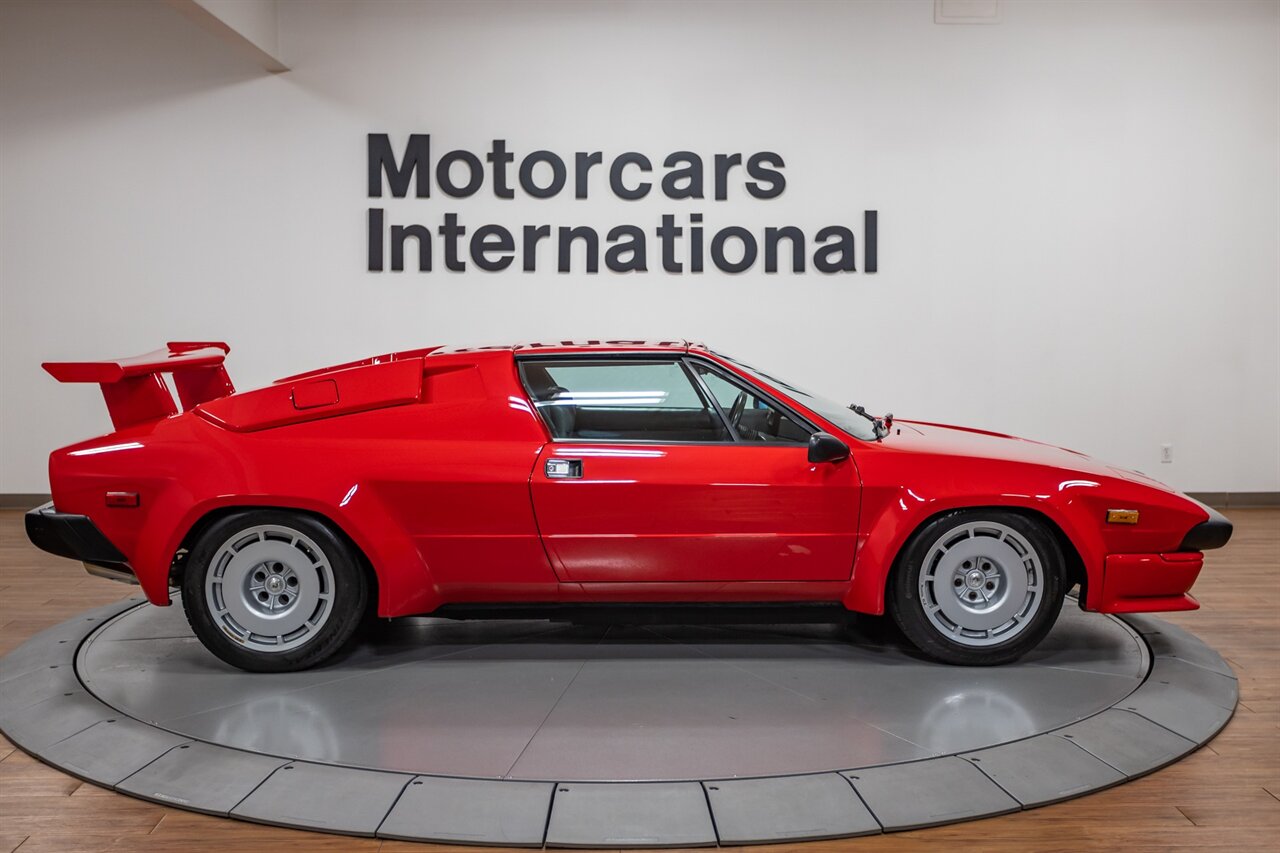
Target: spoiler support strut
{"type": "Point", "coordinates": [135, 391]}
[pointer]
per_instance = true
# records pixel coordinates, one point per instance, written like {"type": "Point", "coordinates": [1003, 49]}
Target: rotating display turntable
{"type": "Point", "coordinates": [537, 733]}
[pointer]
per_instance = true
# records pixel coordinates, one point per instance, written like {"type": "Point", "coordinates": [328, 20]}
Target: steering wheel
{"type": "Point", "coordinates": [772, 421]}
{"type": "Point", "coordinates": [739, 406]}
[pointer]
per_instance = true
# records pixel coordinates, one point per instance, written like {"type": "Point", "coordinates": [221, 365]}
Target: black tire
{"type": "Point", "coordinates": [325, 565]}
{"type": "Point", "coordinates": [918, 592]}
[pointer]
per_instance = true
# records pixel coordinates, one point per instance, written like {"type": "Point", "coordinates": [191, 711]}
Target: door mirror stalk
{"type": "Point", "coordinates": [825, 447]}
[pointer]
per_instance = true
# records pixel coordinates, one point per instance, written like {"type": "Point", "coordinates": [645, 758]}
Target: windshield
{"type": "Point", "coordinates": [840, 415]}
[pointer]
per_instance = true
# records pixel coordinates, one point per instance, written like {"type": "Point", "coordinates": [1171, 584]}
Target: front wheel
{"type": "Point", "coordinates": [273, 591]}
{"type": "Point", "coordinates": [978, 587]}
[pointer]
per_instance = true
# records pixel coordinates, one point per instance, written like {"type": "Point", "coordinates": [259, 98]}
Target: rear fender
{"type": "Point", "coordinates": [404, 582]}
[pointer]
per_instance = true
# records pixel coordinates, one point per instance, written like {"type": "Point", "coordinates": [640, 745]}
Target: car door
{"type": "Point", "coordinates": [646, 480]}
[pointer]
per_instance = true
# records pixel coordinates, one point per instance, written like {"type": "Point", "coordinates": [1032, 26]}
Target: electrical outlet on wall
{"type": "Point", "coordinates": [1166, 453]}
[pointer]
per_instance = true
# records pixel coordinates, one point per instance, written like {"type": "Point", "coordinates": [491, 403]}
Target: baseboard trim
{"type": "Point", "coordinates": [1221, 500]}
{"type": "Point", "coordinates": [20, 500]}
{"type": "Point", "coordinates": [1237, 500]}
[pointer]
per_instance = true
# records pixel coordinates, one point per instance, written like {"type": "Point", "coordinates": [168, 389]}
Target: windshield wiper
{"type": "Point", "coordinates": [880, 426]}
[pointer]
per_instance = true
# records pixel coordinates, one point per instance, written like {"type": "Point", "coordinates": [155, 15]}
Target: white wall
{"type": "Point", "coordinates": [1078, 207]}
{"type": "Point", "coordinates": [256, 21]}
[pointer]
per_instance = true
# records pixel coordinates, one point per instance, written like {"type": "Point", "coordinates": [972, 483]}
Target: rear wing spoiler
{"type": "Point", "coordinates": [136, 392]}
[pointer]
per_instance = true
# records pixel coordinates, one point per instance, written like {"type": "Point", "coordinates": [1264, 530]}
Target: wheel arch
{"type": "Point", "coordinates": [873, 597]}
{"type": "Point", "coordinates": [212, 516]}
{"type": "Point", "coordinates": [1073, 563]}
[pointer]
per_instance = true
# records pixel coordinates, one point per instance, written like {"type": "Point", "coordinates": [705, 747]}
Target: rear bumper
{"type": "Point", "coordinates": [1144, 583]}
{"type": "Point", "coordinates": [77, 538]}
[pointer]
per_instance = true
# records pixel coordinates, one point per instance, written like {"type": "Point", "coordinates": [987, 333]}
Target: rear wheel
{"type": "Point", "coordinates": [273, 591]}
{"type": "Point", "coordinates": [978, 587]}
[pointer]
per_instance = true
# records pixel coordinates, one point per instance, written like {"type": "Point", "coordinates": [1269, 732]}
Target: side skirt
{"type": "Point", "coordinates": [659, 613]}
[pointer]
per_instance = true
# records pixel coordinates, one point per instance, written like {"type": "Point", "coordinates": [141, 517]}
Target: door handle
{"type": "Point", "coordinates": [563, 469]}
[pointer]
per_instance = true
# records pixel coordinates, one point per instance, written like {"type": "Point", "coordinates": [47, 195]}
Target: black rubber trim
{"type": "Point", "coordinates": [652, 613]}
{"type": "Point", "coordinates": [71, 536]}
{"type": "Point", "coordinates": [1208, 535]}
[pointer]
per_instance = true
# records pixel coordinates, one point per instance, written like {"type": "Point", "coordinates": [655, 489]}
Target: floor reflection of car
{"type": "Point", "coordinates": [602, 480]}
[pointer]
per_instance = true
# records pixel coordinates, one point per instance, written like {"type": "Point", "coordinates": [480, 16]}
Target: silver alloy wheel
{"type": "Point", "coordinates": [981, 583]}
{"type": "Point", "coordinates": [269, 588]}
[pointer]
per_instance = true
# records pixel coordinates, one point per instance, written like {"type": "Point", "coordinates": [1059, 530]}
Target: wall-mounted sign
{"type": "Point", "coordinates": [680, 244]}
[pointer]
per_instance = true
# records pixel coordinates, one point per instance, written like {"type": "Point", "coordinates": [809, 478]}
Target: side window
{"type": "Point", "coordinates": [753, 418]}
{"type": "Point", "coordinates": [621, 400]}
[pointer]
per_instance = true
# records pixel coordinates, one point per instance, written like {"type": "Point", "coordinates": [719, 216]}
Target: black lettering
{"type": "Point", "coordinates": [557, 174]}
{"type": "Point", "coordinates": [748, 249]}
{"type": "Point", "coordinates": [635, 247]}
{"type": "Point", "coordinates": [695, 243]}
{"type": "Point", "coordinates": [532, 234]}
{"type": "Point", "coordinates": [375, 239]}
{"type": "Point", "coordinates": [725, 162]}
{"type": "Point", "coordinates": [451, 231]}
{"type": "Point", "coordinates": [691, 173]}
{"type": "Point", "coordinates": [482, 245]}
{"type": "Point", "coordinates": [621, 162]}
{"type": "Point", "coordinates": [870, 229]}
{"type": "Point", "coordinates": [444, 175]}
{"type": "Point", "coordinates": [500, 157]}
{"type": "Point", "coordinates": [589, 237]}
{"type": "Point", "coordinates": [756, 169]}
{"type": "Point", "coordinates": [837, 256]}
{"type": "Point", "coordinates": [771, 238]}
{"type": "Point", "coordinates": [667, 233]}
{"type": "Point", "coordinates": [417, 152]}
{"type": "Point", "coordinates": [399, 234]}
{"type": "Point", "coordinates": [582, 165]}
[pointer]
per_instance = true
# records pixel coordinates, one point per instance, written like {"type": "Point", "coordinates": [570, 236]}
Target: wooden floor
{"type": "Point", "coordinates": [1226, 795]}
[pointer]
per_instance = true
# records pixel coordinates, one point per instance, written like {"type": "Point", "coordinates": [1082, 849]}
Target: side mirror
{"type": "Point", "coordinates": [825, 447]}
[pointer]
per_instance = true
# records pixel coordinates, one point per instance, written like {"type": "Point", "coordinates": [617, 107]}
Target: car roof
{"type": "Point", "coordinates": [589, 345]}
{"type": "Point", "coordinates": [586, 345]}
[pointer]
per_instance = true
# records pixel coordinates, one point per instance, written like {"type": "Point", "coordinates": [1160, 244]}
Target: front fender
{"type": "Point", "coordinates": [891, 515]}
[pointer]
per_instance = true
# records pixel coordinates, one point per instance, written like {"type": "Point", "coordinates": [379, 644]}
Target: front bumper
{"type": "Point", "coordinates": [1146, 583]}
{"type": "Point", "coordinates": [1207, 535]}
{"type": "Point", "coordinates": [77, 538]}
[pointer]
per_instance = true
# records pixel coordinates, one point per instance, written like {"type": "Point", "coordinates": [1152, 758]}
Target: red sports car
{"type": "Point", "coordinates": [582, 480]}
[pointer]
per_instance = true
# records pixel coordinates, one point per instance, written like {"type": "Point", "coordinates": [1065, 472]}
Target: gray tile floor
{"type": "Point", "coordinates": [540, 701]}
